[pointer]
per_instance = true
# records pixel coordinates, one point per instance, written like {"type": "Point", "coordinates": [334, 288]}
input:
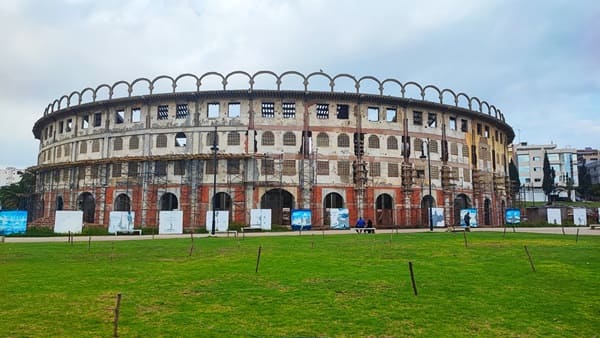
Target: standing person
{"type": "Point", "coordinates": [360, 224]}
{"type": "Point", "coordinates": [467, 220]}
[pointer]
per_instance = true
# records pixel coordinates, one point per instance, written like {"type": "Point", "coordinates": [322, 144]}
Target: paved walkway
{"type": "Point", "coordinates": [583, 231]}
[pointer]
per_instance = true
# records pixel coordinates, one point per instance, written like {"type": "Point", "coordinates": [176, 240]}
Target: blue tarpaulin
{"type": "Point", "coordinates": [13, 222]}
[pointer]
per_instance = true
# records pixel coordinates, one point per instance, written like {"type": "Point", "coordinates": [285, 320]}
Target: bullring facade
{"type": "Point", "coordinates": [272, 141]}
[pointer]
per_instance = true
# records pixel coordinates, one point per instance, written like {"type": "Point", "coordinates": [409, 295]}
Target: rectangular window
{"type": "Point", "coordinates": [375, 169]}
{"type": "Point", "coordinates": [322, 111]}
{"type": "Point", "coordinates": [85, 122]}
{"type": "Point", "coordinates": [61, 126]}
{"type": "Point", "coordinates": [210, 167]}
{"type": "Point", "coordinates": [234, 110]}
{"type": "Point", "coordinates": [452, 123]}
{"type": "Point", "coordinates": [479, 129]}
{"type": "Point", "coordinates": [417, 118]}
{"type": "Point", "coordinates": [69, 125]}
{"type": "Point", "coordinates": [182, 111]}
{"type": "Point", "coordinates": [116, 169]}
{"type": "Point", "coordinates": [132, 169]}
{"type": "Point", "coordinates": [464, 125]}
{"type": "Point", "coordinates": [391, 115]}
{"type": "Point", "coordinates": [323, 168]}
{"type": "Point", "coordinates": [373, 114]}
{"type": "Point", "coordinates": [80, 173]}
{"type": "Point", "coordinates": [119, 116]}
{"type": "Point", "coordinates": [268, 110]}
{"type": "Point", "coordinates": [486, 132]}
{"type": "Point", "coordinates": [136, 114]}
{"type": "Point", "coordinates": [97, 119]}
{"type": "Point", "coordinates": [536, 158]}
{"type": "Point", "coordinates": [233, 166]}
{"type": "Point", "coordinates": [343, 168]}
{"type": "Point", "coordinates": [289, 167]}
{"type": "Point", "coordinates": [289, 110]}
{"type": "Point", "coordinates": [160, 168]}
{"type": "Point", "coordinates": [523, 159]}
{"type": "Point", "coordinates": [432, 120]}
{"type": "Point", "coordinates": [213, 110]}
{"type": "Point", "coordinates": [393, 170]}
{"type": "Point", "coordinates": [342, 111]}
{"type": "Point", "coordinates": [267, 167]}
{"type": "Point", "coordinates": [95, 170]}
{"type": "Point", "coordinates": [179, 168]}
{"type": "Point", "coordinates": [553, 157]}
{"type": "Point", "coordinates": [162, 112]}
{"type": "Point", "coordinates": [466, 175]}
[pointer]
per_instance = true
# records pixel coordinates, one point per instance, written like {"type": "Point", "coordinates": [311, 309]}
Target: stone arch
{"type": "Point", "coordinates": [461, 201]}
{"type": "Point", "coordinates": [59, 203]}
{"type": "Point", "coordinates": [222, 202]}
{"type": "Point", "coordinates": [392, 142]}
{"type": "Point", "coordinates": [426, 202]}
{"type": "Point", "coordinates": [280, 202]}
{"type": "Point", "coordinates": [87, 204]}
{"type": "Point", "coordinates": [168, 202]}
{"type": "Point", "coordinates": [333, 200]}
{"type": "Point", "coordinates": [122, 203]}
{"type": "Point", "coordinates": [384, 210]}
{"type": "Point", "coordinates": [262, 72]}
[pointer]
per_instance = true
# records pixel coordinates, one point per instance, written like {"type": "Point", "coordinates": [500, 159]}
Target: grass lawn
{"type": "Point", "coordinates": [310, 285]}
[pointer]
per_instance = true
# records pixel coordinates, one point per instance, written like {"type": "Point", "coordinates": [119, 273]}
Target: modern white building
{"type": "Point", "coordinates": [9, 175]}
{"type": "Point", "coordinates": [530, 162]}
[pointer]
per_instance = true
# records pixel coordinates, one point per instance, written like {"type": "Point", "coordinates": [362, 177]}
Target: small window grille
{"type": "Point", "coordinates": [162, 112]}
{"type": "Point", "coordinates": [343, 141]}
{"type": "Point", "coordinates": [210, 167]}
{"type": "Point", "coordinates": [323, 168]}
{"type": "Point", "coordinates": [212, 138]}
{"type": "Point", "coordinates": [132, 169]}
{"type": "Point", "coordinates": [67, 150]}
{"type": "Point", "coordinates": [375, 169]}
{"type": "Point", "coordinates": [83, 147]}
{"type": "Point", "coordinates": [116, 170]}
{"type": "Point", "coordinates": [343, 168]}
{"type": "Point", "coordinates": [289, 110]}
{"type": "Point", "coordinates": [233, 166]}
{"type": "Point", "coordinates": [134, 142]}
{"type": "Point", "coordinates": [161, 141]}
{"type": "Point", "coordinates": [233, 138]}
{"type": "Point", "coordinates": [81, 173]}
{"type": "Point", "coordinates": [268, 109]}
{"type": "Point", "coordinates": [322, 111]}
{"type": "Point", "coordinates": [465, 150]}
{"type": "Point", "coordinates": [466, 175]}
{"type": "Point", "coordinates": [392, 143]}
{"type": "Point", "coordinates": [433, 146]}
{"type": "Point", "coordinates": [289, 167]}
{"type": "Point", "coordinates": [289, 139]}
{"type": "Point", "coordinates": [267, 167]}
{"type": "Point", "coordinates": [182, 111]}
{"type": "Point", "coordinates": [393, 170]}
{"type": "Point", "coordinates": [373, 142]}
{"type": "Point", "coordinates": [418, 144]}
{"type": "Point", "coordinates": [95, 170]}
{"type": "Point", "coordinates": [322, 140]}
{"type": "Point", "coordinates": [160, 168]}
{"type": "Point", "coordinates": [58, 152]}
{"type": "Point", "coordinates": [453, 149]}
{"type": "Point", "coordinates": [268, 139]}
{"type": "Point", "coordinates": [179, 168]}
{"type": "Point", "coordinates": [118, 143]}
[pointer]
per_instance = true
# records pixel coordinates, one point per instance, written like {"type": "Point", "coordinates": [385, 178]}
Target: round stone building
{"type": "Point", "coordinates": [243, 141]}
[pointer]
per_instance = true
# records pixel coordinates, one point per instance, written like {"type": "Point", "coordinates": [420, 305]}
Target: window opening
{"type": "Point", "coordinates": [342, 111]}
{"type": "Point", "coordinates": [119, 116]}
{"type": "Point", "coordinates": [182, 111]}
{"type": "Point", "coordinates": [452, 123]}
{"type": "Point", "coordinates": [391, 115]}
{"type": "Point", "coordinates": [162, 112]}
{"type": "Point", "coordinates": [136, 115]}
{"type": "Point", "coordinates": [268, 109]}
{"type": "Point", "coordinates": [180, 139]}
{"type": "Point", "coordinates": [97, 119]}
{"type": "Point", "coordinates": [289, 110]}
{"type": "Point", "coordinates": [373, 114]}
{"type": "Point", "coordinates": [234, 110]}
{"type": "Point", "coordinates": [322, 111]}
{"type": "Point", "coordinates": [417, 118]}
{"type": "Point", "coordinates": [213, 110]}
{"type": "Point", "coordinates": [432, 120]}
{"type": "Point", "coordinates": [85, 122]}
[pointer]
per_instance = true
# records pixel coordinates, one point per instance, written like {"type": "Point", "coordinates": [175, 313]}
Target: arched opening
{"type": "Point", "coordinates": [168, 202]}
{"type": "Point", "coordinates": [332, 200]}
{"type": "Point", "coordinates": [426, 203]}
{"type": "Point", "coordinates": [222, 202]}
{"type": "Point", "coordinates": [384, 205]}
{"type": "Point", "coordinates": [280, 202]}
{"type": "Point", "coordinates": [122, 203]}
{"type": "Point", "coordinates": [87, 204]}
{"type": "Point", "coordinates": [59, 203]}
{"type": "Point", "coordinates": [487, 211]}
{"type": "Point", "coordinates": [461, 201]}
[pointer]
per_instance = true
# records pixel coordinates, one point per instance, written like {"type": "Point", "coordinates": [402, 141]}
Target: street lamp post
{"type": "Point", "coordinates": [214, 149]}
{"type": "Point", "coordinates": [429, 172]}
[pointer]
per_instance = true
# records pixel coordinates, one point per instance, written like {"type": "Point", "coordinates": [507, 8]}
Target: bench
{"type": "Point", "coordinates": [234, 232]}
{"type": "Point", "coordinates": [595, 226]}
{"type": "Point", "coordinates": [365, 230]}
{"type": "Point", "coordinates": [132, 231]}
{"type": "Point", "coordinates": [458, 228]}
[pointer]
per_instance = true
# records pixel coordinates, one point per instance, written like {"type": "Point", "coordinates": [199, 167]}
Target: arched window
{"type": "Point", "coordinates": [118, 143]}
{"type": "Point", "coordinates": [374, 142]}
{"type": "Point", "coordinates": [433, 146]}
{"type": "Point", "coordinates": [168, 202]}
{"type": "Point", "coordinates": [322, 140]}
{"type": "Point", "coordinates": [58, 152]}
{"type": "Point", "coordinates": [180, 139]}
{"type": "Point", "coordinates": [392, 143]}
{"type": "Point", "coordinates": [233, 138]}
{"type": "Point", "coordinates": [161, 141]}
{"type": "Point", "coordinates": [83, 147]}
{"type": "Point", "coordinates": [134, 142]}
{"type": "Point", "coordinates": [289, 139]}
{"type": "Point", "coordinates": [418, 145]}
{"type": "Point", "coordinates": [268, 139]}
{"type": "Point", "coordinates": [343, 141]}
{"type": "Point", "coordinates": [122, 203]}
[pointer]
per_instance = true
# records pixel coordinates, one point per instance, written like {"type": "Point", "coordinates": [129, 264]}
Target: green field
{"type": "Point", "coordinates": [310, 285]}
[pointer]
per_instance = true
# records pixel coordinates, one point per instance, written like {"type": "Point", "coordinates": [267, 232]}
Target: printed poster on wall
{"type": "Point", "coordinates": [13, 222]}
{"type": "Point", "coordinates": [472, 212]}
{"type": "Point", "coordinates": [580, 216]}
{"type": "Point", "coordinates": [260, 219]}
{"type": "Point", "coordinates": [437, 216]}
{"type": "Point", "coordinates": [553, 215]}
{"type": "Point", "coordinates": [221, 220]}
{"type": "Point", "coordinates": [68, 221]}
{"type": "Point", "coordinates": [513, 216]}
{"type": "Point", "coordinates": [301, 219]}
{"type": "Point", "coordinates": [121, 221]}
{"type": "Point", "coordinates": [170, 222]}
{"type": "Point", "coordinates": [339, 218]}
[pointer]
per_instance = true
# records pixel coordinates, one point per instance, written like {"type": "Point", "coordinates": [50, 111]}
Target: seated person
{"type": "Point", "coordinates": [360, 224]}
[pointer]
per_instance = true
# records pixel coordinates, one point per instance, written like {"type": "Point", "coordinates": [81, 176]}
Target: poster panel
{"type": "Point", "coordinates": [339, 218]}
{"type": "Point", "coordinates": [221, 220]}
{"type": "Point", "coordinates": [437, 216]}
{"type": "Point", "coordinates": [260, 219]}
{"type": "Point", "coordinates": [301, 219]}
{"type": "Point", "coordinates": [580, 216]}
{"type": "Point", "coordinates": [13, 222]}
{"type": "Point", "coordinates": [121, 221]}
{"type": "Point", "coordinates": [472, 212]}
{"type": "Point", "coordinates": [170, 222]}
{"type": "Point", "coordinates": [553, 215]}
{"type": "Point", "coordinates": [512, 216]}
{"type": "Point", "coordinates": [68, 220]}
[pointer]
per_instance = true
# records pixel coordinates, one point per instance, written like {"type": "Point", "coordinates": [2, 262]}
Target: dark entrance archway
{"type": "Point", "coordinates": [461, 201]}
{"type": "Point", "coordinates": [168, 202]}
{"type": "Point", "coordinates": [59, 203]}
{"type": "Point", "coordinates": [487, 211]}
{"type": "Point", "coordinates": [87, 204]}
{"type": "Point", "coordinates": [122, 203]}
{"type": "Point", "coordinates": [384, 205]}
{"type": "Point", "coordinates": [333, 200]}
{"type": "Point", "coordinates": [280, 202]}
{"type": "Point", "coordinates": [427, 201]}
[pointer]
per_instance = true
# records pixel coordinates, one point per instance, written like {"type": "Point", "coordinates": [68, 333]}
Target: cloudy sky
{"type": "Point", "coordinates": [538, 61]}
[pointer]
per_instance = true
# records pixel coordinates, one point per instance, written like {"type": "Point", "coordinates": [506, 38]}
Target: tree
{"type": "Point", "coordinates": [515, 180]}
{"type": "Point", "coordinates": [548, 180]}
{"type": "Point", "coordinates": [585, 182]}
{"type": "Point", "coordinates": [18, 195]}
